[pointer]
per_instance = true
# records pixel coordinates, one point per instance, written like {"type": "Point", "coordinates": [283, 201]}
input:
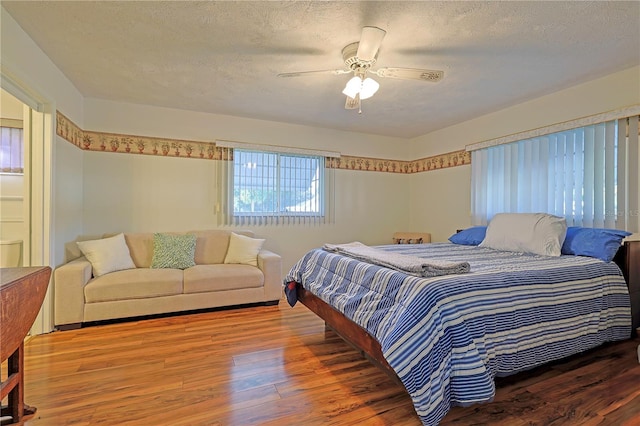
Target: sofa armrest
{"type": "Point", "coordinates": [271, 266]}
{"type": "Point", "coordinates": [69, 281]}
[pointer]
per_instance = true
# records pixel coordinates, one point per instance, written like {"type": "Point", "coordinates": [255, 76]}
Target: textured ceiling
{"type": "Point", "coordinates": [224, 57]}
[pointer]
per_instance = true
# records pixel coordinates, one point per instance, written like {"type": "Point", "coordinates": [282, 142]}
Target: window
{"type": "Point", "coordinates": [11, 150]}
{"type": "Point", "coordinates": [585, 174]}
{"type": "Point", "coordinates": [267, 185]}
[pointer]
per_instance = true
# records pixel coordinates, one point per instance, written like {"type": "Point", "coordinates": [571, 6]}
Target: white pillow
{"type": "Point", "coordinates": [107, 255]}
{"type": "Point", "coordinates": [537, 233]}
{"type": "Point", "coordinates": [243, 250]}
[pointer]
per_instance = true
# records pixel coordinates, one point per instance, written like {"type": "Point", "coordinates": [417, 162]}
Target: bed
{"type": "Point", "coordinates": [447, 337]}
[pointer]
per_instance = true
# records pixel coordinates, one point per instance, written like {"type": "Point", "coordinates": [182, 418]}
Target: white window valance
{"type": "Point", "coordinates": [276, 148]}
{"type": "Point", "coordinates": [559, 127]}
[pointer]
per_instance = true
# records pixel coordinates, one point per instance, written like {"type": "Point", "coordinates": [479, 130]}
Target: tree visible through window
{"type": "Point", "coordinates": [270, 183]}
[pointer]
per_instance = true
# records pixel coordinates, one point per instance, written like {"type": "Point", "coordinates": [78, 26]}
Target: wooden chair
{"type": "Point", "coordinates": [411, 237]}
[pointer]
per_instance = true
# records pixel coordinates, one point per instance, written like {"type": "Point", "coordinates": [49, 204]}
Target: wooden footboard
{"type": "Point", "coordinates": [351, 332]}
{"type": "Point", "coordinates": [628, 259]}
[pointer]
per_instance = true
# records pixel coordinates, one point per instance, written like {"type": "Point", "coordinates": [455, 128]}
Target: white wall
{"type": "Point", "coordinates": [148, 193]}
{"type": "Point", "coordinates": [68, 196]}
{"type": "Point", "coordinates": [135, 191]}
{"type": "Point", "coordinates": [440, 201]}
{"type": "Point", "coordinates": [34, 73]}
{"type": "Point", "coordinates": [118, 117]}
{"type": "Point", "coordinates": [448, 203]}
{"type": "Point", "coordinates": [25, 64]}
{"type": "Point", "coordinates": [10, 107]}
{"type": "Point", "coordinates": [156, 194]}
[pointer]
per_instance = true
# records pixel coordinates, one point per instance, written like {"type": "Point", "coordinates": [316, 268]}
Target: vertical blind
{"type": "Point", "coordinates": [11, 150]}
{"type": "Point", "coordinates": [589, 175]}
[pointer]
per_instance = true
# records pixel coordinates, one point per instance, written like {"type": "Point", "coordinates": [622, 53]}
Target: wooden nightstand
{"type": "Point", "coordinates": [411, 237]}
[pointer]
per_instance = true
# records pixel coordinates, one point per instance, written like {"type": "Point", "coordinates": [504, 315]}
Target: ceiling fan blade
{"type": "Point", "coordinates": [352, 103]}
{"type": "Point", "coordinates": [305, 73]}
{"type": "Point", "coordinates": [370, 41]}
{"type": "Point", "coordinates": [432, 76]}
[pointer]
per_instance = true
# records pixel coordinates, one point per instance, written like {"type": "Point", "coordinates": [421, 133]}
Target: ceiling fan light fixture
{"type": "Point", "coordinates": [353, 87]}
{"type": "Point", "coordinates": [359, 58]}
{"type": "Point", "coordinates": [369, 88]}
{"type": "Point", "coordinates": [365, 88]}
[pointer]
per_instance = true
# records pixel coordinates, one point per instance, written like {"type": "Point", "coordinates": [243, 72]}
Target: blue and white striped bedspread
{"type": "Point", "coordinates": [448, 337]}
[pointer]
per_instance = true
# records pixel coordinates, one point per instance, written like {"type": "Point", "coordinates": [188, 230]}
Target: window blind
{"type": "Point", "coordinates": [588, 175]}
{"type": "Point", "coordinates": [273, 188]}
{"type": "Point", "coordinates": [11, 150]}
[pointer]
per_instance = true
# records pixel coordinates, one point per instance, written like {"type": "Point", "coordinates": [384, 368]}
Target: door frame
{"type": "Point", "coordinates": [39, 134]}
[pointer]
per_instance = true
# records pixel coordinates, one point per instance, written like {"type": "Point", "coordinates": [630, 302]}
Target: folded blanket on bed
{"type": "Point", "coordinates": [411, 265]}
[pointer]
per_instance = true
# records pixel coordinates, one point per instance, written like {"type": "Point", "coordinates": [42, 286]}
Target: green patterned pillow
{"type": "Point", "coordinates": [173, 251]}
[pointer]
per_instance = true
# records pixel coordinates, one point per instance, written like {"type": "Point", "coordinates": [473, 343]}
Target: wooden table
{"type": "Point", "coordinates": [22, 291]}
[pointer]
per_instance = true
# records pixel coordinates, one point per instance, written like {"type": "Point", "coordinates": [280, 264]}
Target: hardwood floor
{"type": "Point", "coordinates": [278, 366]}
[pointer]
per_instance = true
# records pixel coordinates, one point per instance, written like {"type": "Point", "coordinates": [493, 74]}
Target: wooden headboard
{"type": "Point", "coordinates": [628, 259]}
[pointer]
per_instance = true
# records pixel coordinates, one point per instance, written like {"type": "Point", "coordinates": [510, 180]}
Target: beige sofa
{"type": "Point", "coordinates": [80, 297]}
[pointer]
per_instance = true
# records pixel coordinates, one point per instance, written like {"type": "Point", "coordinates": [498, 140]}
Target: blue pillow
{"type": "Point", "coordinates": [470, 236]}
{"type": "Point", "coordinates": [593, 242]}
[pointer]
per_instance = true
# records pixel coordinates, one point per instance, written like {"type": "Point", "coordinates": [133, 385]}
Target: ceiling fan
{"type": "Point", "coordinates": [359, 57]}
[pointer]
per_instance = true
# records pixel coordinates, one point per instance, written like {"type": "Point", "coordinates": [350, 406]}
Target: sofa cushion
{"type": "Point", "coordinates": [137, 283]}
{"type": "Point", "coordinates": [243, 249]}
{"type": "Point", "coordinates": [204, 278]}
{"type": "Point", "coordinates": [141, 248]}
{"type": "Point", "coordinates": [173, 251]}
{"type": "Point", "coordinates": [107, 254]}
{"type": "Point", "coordinates": [211, 245]}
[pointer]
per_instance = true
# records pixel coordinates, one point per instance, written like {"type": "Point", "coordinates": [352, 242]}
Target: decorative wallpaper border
{"type": "Point", "coordinates": [144, 145]}
{"type": "Point", "coordinates": [127, 144]}
{"type": "Point", "coordinates": [442, 161]}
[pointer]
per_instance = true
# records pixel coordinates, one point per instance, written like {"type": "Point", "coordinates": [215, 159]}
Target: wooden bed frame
{"type": "Point", "coordinates": [627, 258]}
